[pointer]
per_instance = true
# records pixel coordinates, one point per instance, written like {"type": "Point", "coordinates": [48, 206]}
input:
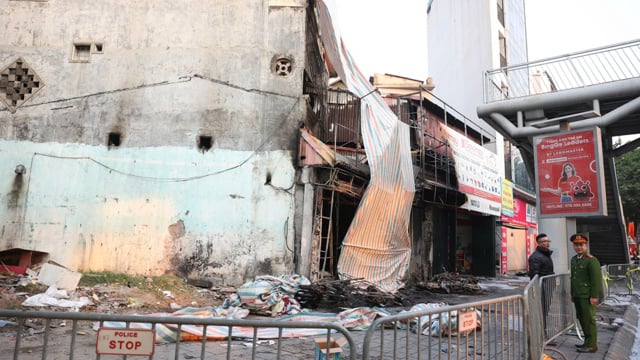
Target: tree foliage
{"type": "Point", "coordinates": [627, 171]}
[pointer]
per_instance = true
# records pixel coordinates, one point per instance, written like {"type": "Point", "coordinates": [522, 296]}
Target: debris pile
{"type": "Point", "coordinates": [349, 293]}
{"type": "Point", "coordinates": [269, 295]}
{"type": "Point", "coordinates": [451, 283]}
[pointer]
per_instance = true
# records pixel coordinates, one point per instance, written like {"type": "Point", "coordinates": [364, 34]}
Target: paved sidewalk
{"type": "Point", "coordinates": [616, 335]}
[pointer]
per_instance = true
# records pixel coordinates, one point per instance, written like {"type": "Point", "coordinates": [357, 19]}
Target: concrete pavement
{"type": "Point", "coordinates": [617, 330]}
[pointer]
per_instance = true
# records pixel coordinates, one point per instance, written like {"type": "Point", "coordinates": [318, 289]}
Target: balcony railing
{"type": "Point", "coordinates": [591, 67]}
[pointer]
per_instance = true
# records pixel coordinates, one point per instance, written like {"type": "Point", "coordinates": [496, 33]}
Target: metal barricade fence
{"type": "Point", "coordinates": [621, 279]}
{"type": "Point", "coordinates": [534, 318]}
{"type": "Point", "coordinates": [634, 278]}
{"type": "Point", "coordinates": [489, 329]}
{"type": "Point", "coordinates": [34, 339]}
{"type": "Point", "coordinates": [557, 307]}
{"type": "Point", "coordinates": [550, 310]}
{"type": "Point", "coordinates": [615, 278]}
{"type": "Point", "coordinates": [512, 327]}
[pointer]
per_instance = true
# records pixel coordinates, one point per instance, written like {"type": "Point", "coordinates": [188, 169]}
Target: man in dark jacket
{"type": "Point", "coordinates": [540, 264]}
{"type": "Point", "coordinates": [586, 281]}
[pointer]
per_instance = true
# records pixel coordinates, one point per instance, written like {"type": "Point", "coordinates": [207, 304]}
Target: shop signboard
{"type": "Point", "coordinates": [507, 198]}
{"type": "Point", "coordinates": [477, 174]}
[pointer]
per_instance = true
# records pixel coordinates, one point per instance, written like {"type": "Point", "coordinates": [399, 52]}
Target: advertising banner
{"type": "Point", "coordinates": [477, 174]}
{"type": "Point", "coordinates": [507, 198]}
{"type": "Point", "coordinates": [569, 174]}
{"type": "Point", "coordinates": [519, 216]}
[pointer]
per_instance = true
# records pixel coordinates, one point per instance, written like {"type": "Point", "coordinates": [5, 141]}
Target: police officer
{"type": "Point", "coordinates": [586, 280]}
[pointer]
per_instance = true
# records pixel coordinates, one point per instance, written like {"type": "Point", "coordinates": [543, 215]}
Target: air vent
{"type": "Point", "coordinates": [282, 66]}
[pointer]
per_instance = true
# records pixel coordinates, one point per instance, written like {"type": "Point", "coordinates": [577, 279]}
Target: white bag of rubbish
{"type": "Point", "coordinates": [55, 297]}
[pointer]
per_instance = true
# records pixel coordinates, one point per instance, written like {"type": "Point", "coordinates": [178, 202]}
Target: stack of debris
{"type": "Point", "coordinates": [349, 293]}
{"type": "Point", "coordinates": [451, 283]}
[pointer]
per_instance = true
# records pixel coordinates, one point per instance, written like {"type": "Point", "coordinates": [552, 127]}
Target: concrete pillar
{"type": "Point", "coordinates": [559, 230]}
{"type": "Point", "coordinates": [306, 234]}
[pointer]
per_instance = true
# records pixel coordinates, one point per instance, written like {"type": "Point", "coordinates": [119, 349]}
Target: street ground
{"type": "Point", "coordinates": [120, 294]}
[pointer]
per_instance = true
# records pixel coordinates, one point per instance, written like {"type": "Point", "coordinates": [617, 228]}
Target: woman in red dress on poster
{"type": "Point", "coordinates": [564, 188]}
{"type": "Point", "coordinates": [564, 183]}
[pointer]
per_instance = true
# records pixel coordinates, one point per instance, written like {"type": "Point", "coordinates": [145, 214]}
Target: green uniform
{"type": "Point", "coordinates": [586, 281]}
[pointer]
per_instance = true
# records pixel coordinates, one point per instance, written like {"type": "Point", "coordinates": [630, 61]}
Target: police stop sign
{"type": "Point", "coordinates": [467, 321]}
{"type": "Point", "coordinates": [113, 341]}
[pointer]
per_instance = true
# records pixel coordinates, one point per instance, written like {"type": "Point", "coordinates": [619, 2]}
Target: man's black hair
{"type": "Point", "coordinates": [540, 236]}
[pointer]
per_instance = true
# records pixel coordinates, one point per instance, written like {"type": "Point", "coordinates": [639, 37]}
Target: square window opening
{"type": "Point", "coordinates": [81, 52]}
{"type": "Point", "coordinates": [97, 48]}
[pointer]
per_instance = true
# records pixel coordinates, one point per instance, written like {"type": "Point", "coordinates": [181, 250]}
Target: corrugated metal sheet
{"type": "Point", "coordinates": [377, 245]}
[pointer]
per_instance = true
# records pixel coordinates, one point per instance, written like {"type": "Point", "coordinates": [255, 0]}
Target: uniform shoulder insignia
{"type": "Point", "coordinates": [589, 256]}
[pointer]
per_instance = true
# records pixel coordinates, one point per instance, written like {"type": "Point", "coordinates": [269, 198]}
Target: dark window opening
{"type": "Point", "coordinates": [503, 51]}
{"type": "Point", "coordinates": [114, 139]}
{"type": "Point", "coordinates": [205, 143]}
{"type": "Point", "coordinates": [82, 52]}
{"type": "Point", "coordinates": [98, 48]}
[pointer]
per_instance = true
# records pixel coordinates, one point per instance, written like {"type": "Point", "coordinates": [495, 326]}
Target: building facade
{"type": "Point", "coordinates": [465, 39]}
{"type": "Point", "coordinates": [157, 136]}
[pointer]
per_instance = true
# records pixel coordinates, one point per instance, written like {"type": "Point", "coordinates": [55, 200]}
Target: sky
{"type": "Point", "coordinates": [385, 38]}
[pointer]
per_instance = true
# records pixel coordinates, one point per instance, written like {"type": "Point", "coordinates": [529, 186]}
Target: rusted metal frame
{"type": "Point", "coordinates": [328, 250]}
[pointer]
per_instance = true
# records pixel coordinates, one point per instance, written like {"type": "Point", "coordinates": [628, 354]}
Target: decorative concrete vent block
{"type": "Point", "coordinates": [18, 83]}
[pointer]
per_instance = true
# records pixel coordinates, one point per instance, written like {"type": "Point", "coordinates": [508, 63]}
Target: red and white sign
{"type": "Point", "coordinates": [569, 173]}
{"type": "Point", "coordinates": [467, 321]}
{"type": "Point", "coordinates": [477, 174]}
{"type": "Point", "coordinates": [112, 341]}
{"type": "Point", "coordinates": [503, 251]}
{"type": "Point", "coordinates": [519, 216]}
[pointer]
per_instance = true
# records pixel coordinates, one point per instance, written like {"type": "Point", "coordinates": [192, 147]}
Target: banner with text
{"type": "Point", "coordinates": [477, 174]}
{"type": "Point", "coordinates": [507, 198]}
{"type": "Point", "coordinates": [569, 173]}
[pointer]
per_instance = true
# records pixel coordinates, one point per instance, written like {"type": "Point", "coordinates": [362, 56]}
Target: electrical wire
{"type": "Point", "coordinates": [276, 129]}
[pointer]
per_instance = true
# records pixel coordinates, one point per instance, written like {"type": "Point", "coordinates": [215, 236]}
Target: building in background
{"type": "Point", "coordinates": [465, 38]}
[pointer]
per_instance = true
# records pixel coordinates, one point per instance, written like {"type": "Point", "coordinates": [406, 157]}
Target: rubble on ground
{"type": "Point", "coordinates": [349, 293]}
{"type": "Point", "coordinates": [266, 295]}
{"type": "Point", "coordinates": [331, 294]}
{"type": "Point", "coordinates": [452, 283]}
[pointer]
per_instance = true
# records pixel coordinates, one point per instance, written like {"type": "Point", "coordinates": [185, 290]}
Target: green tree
{"type": "Point", "coordinates": [627, 171]}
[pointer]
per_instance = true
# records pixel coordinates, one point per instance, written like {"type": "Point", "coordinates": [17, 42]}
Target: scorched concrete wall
{"type": "Point", "coordinates": [114, 136]}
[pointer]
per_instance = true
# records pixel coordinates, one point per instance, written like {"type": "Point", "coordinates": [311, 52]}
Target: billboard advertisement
{"type": "Point", "coordinates": [569, 174]}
